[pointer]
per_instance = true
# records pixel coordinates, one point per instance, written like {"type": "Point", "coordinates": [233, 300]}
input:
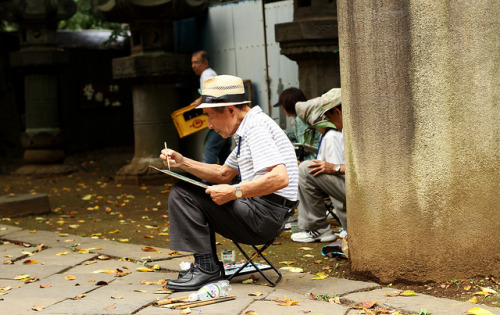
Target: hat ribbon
{"type": "Point", "coordinates": [228, 98]}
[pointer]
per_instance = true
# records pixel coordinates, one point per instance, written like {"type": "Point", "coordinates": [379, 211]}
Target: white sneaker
{"type": "Point", "coordinates": [342, 233]}
{"type": "Point", "coordinates": [314, 236]}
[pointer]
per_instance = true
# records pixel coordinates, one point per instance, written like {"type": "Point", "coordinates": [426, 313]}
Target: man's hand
{"type": "Point", "coordinates": [321, 167]}
{"type": "Point", "coordinates": [176, 158]}
{"type": "Point", "coordinates": [221, 194]}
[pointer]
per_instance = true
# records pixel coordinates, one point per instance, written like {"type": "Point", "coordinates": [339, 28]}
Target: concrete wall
{"type": "Point", "coordinates": [421, 94]}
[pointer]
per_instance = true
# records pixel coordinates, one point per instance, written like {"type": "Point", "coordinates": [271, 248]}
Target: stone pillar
{"type": "Point", "coordinates": [40, 60]}
{"type": "Point", "coordinates": [152, 70]}
{"type": "Point", "coordinates": [421, 88]}
{"type": "Point", "coordinates": [311, 40]}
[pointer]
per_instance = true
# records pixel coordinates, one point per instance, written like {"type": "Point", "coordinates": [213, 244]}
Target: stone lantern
{"type": "Point", "coordinates": [40, 60]}
{"type": "Point", "coordinates": [311, 40]}
{"type": "Point", "coordinates": [152, 70]}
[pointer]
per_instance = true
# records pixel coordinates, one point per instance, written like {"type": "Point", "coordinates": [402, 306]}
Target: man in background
{"type": "Point", "coordinates": [216, 147]}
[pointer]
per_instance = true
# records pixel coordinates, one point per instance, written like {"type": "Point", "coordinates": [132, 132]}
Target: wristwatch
{"type": "Point", "coordinates": [238, 192]}
{"type": "Point", "coordinates": [337, 169]}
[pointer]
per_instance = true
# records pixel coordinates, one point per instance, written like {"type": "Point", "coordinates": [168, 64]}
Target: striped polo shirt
{"type": "Point", "coordinates": [263, 145]}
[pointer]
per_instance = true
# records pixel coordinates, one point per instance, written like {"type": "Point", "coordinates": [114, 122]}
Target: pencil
{"type": "Point", "coordinates": [168, 159]}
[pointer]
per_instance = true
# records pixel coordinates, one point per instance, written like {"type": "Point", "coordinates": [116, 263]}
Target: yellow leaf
{"type": "Point", "coordinates": [113, 232]}
{"type": "Point", "coordinates": [305, 248]}
{"type": "Point", "coordinates": [22, 277]}
{"type": "Point", "coordinates": [149, 249]}
{"type": "Point", "coordinates": [99, 271]}
{"type": "Point", "coordinates": [467, 287]}
{"type": "Point", "coordinates": [309, 256]}
{"type": "Point", "coordinates": [73, 226]}
{"type": "Point", "coordinates": [248, 281]}
{"type": "Point", "coordinates": [408, 293]}
{"type": "Point", "coordinates": [87, 197]}
{"type": "Point", "coordinates": [472, 300]}
{"type": "Point", "coordinates": [287, 302]}
{"type": "Point", "coordinates": [489, 290]}
{"type": "Point", "coordinates": [33, 231]}
{"type": "Point", "coordinates": [139, 290]}
{"type": "Point", "coordinates": [479, 311]}
{"type": "Point", "coordinates": [123, 240]}
{"type": "Point", "coordinates": [251, 313]}
{"type": "Point", "coordinates": [256, 293]}
{"type": "Point", "coordinates": [163, 234]}
{"type": "Point", "coordinates": [144, 269]}
{"type": "Point", "coordinates": [186, 311]}
{"type": "Point", "coordinates": [292, 269]}
{"type": "Point", "coordinates": [320, 276]}
{"type": "Point", "coordinates": [61, 253]}
{"type": "Point", "coordinates": [63, 234]}
{"type": "Point", "coordinates": [288, 262]}
{"type": "Point", "coordinates": [70, 277]}
{"type": "Point", "coordinates": [30, 262]}
{"type": "Point", "coordinates": [123, 274]}
{"type": "Point", "coordinates": [117, 297]}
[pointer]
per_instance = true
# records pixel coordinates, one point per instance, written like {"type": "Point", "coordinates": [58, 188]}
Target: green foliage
{"type": "Point", "coordinates": [7, 26]}
{"type": "Point", "coordinates": [85, 19]}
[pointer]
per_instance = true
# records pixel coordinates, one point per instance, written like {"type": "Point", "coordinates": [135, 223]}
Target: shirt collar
{"type": "Point", "coordinates": [241, 128]}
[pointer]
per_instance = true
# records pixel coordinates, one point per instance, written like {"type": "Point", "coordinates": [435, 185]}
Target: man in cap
{"type": "Point", "coordinates": [250, 212]}
{"type": "Point", "coordinates": [323, 175]}
{"type": "Point", "coordinates": [216, 147]}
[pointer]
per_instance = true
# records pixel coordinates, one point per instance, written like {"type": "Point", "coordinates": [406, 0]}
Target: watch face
{"type": "Point", "coordinates": [239, 194]}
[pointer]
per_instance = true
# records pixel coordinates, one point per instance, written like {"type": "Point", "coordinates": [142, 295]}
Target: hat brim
{"type": "Point", "coordinates": [207, 105]}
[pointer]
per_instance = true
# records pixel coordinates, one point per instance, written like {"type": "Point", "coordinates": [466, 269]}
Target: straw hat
{"type": "Point", "coordinates": [222, 90]}
{"type": "Point", "coordinates": [330, 99]}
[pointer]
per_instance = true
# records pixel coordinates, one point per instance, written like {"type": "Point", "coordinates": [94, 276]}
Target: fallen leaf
{"type": "Point", "coordinates": [5, 288]}
{"type": "Point", "coordinates": [186, 311]}
{"type": "Point", "coordinates": [122, 274]}
{"type": "Point", "coordinates": [30, 262]}
{"type": "Point", "coordinates": [45, 286]}
{"type": "Point", "coordinates": [251, 313]}
{"type": "Point", "coordinates": [255, 293]}
{"type": "Point", "coordinates": [144, 269]}
{"type": "Point", "coordinates": [7, 262]}
{"type": "Point", "coordinates": [114, 232]}
{"type": "Point", "coordinates": [248, 281]}
{"type": "Point", "coordinates": [467, 287]}
{"type": "Point", "coordinates": [288, 262]}
{"type": "Point", "coordinates": [110, 307]}
{"type": "Point", "coordinates": [123, 240]}
{"type": "Point", "coordinates": [479, 311]}
{"type": "Point", "coordinates": [408, 293]}
{"type": "Point", "coordinates": [334, 300]}
{"type": "Point", "coordinates": [174, 253]}
{"type": "Point", "coordinates": [287, 302]}
{"type": "Point", "coordinates": [472, 300]}
{"type": "Point", "coordinates": [308, 256]}
{"type": "Point", "coordinates": [369, 304]}
{"type": "Point", "coordinates": [38, 307]}
{"type": "Point", "coordinates": [61, 253]}
{"type": "Point", "coordinates": [276, 243]}
{"type": "Point", "coordinates": [148, 249]}
{"type": "Point", "coordinates": [320, 276]}
{"type": "Point", "coordinates": [117, 297]}
{"type": "Point", "coordinates": [292, 269]}
{"type": "Point", "coordinates": [139, 290]}
{"type": "Point", "coordinates": [305, 248]}
{"type": "Point", "coordinates": [79, 297]}
{"type": "Point", "coordinates": [70, 277]}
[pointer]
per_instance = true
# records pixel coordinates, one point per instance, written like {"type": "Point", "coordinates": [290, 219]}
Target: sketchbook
{"type": "Point", "coordinates": [181, 177]}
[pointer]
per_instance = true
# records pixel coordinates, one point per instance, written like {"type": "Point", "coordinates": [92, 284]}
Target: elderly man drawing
{"type": "Point", "coordinates": [325, 174]}
{"type": "Point", "coordinates": [250, 212]}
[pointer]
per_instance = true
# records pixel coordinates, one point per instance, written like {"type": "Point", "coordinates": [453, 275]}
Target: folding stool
{"type": "Point", "coordinates": [260, 252]}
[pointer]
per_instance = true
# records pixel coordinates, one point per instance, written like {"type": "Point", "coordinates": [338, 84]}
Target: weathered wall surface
{"type": "Point", "coordinates": [421, 88]}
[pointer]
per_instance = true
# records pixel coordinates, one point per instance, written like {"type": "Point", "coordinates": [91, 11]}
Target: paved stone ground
{"type": "Point", "coordinates": [92, 291]}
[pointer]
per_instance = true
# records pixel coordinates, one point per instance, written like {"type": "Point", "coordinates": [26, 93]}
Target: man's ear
{"type": "Point", "coordinates": [231, 109]}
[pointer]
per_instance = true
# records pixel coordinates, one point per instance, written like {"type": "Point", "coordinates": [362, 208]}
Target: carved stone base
{"type": "Point", "coordinates": [45, 169]}
{"type": "Point", "coordinates": [138, 172]}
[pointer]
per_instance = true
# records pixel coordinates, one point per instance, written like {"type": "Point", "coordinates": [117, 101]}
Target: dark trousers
{"type": "Point", "coordinates": [194, 218]}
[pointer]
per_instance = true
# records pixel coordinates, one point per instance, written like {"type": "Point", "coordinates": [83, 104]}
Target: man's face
{"type": "Point", "coordinates": [198, 64]}
{"type": "Point", "coordinates": [222, 123]}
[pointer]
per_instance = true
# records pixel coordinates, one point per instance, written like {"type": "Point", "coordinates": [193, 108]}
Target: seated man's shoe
{"type": "Point", "coordinates": [194, 279]}
{"type": "Point", "coordinates": [321, 235]}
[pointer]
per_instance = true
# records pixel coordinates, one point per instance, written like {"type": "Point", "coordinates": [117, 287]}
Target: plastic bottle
{"type": "Point", "coordinates": [211, 291]}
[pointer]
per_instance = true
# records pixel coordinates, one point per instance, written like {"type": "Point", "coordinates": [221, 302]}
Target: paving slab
{"type": "Point", "coordinates": [132, 251]}
{"type": "Point", "coordinates": [50, 239]}
{"type": "Point", "coordinates": [242, 301]}
{"type": "Point", "coordinates": [50, 256]}
{"type": "Point", "coordinates": [303, 283]}
{"type": "Point", "coordinates": [7, 229]}
{"type": "Point", "coordinates": [13, 252]}
{"type": "Point", "coordinates": [305, 305]}
{"type": "Point", "coordinates": [23, 205]}
{"type": "Point", "coordinates": [413, 304]}
{"type": "Point", "coordinates": [36, 270]}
